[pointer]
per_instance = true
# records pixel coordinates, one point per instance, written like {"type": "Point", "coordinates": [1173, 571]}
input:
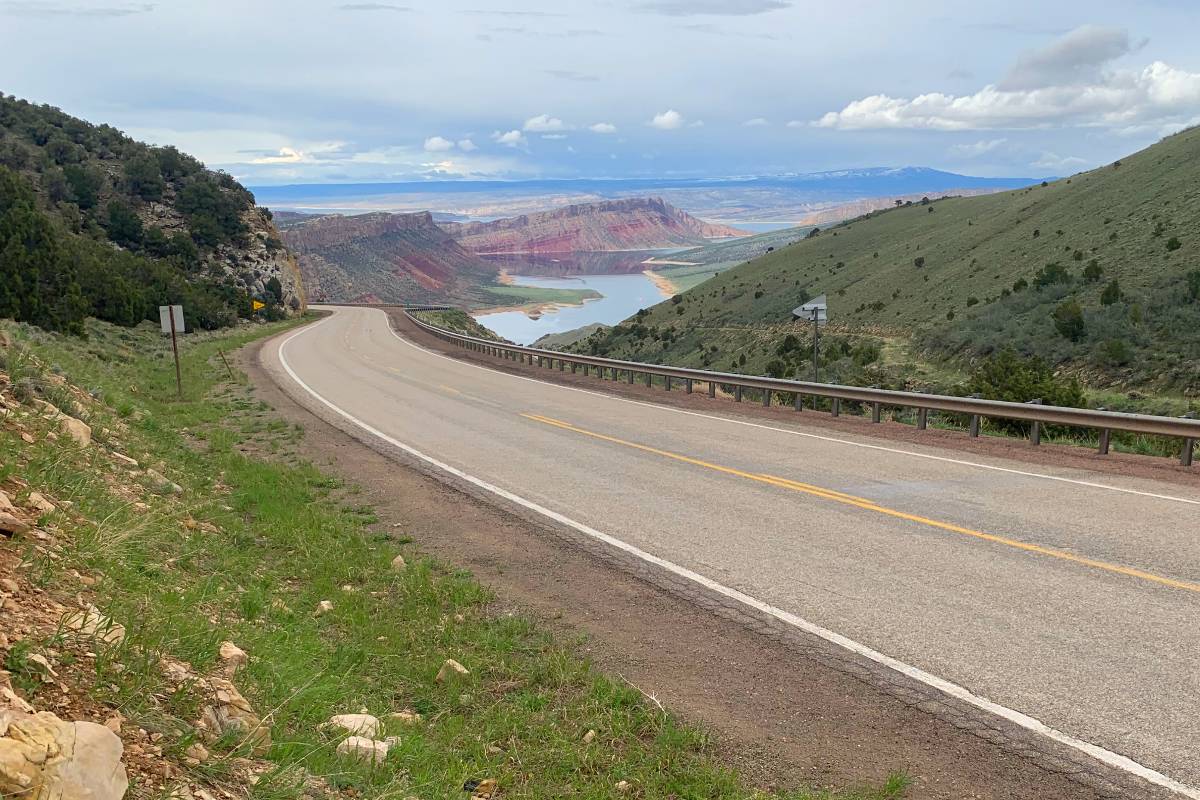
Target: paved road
{"type": "Point", "coordinates": [1075, 604]}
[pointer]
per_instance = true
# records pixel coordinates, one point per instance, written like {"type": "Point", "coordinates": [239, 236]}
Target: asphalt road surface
{"type": "Point", "coordinates": [1050, 596]}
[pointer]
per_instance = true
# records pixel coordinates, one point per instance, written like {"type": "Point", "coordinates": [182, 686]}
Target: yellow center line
{"type": "Point", "coordinates": [867, 505]}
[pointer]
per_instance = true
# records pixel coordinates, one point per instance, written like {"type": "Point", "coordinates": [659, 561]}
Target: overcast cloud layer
{"type": "Point", "coordinates": [327, 91]}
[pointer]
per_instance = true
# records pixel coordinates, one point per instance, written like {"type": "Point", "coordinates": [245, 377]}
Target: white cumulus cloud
{"type": "Point", "coordinates": [757, 122]}
{"type": "Point", "coordinates": [669, 120]}
{"type": "Point", "coordinates": [544, 123]}
{"type": "Point", "coordinates": [467, 146]}
{"type": "Point", "coordinates": [976, 149]}
{"type": "Point", "coordinates": [603, 127]}
{"type": "Point", "coordinates": [436, 144]}
{"type": "Point", "coordinates": [511, 138]}
{"type": "Point", "coordinates": [1067, 83]}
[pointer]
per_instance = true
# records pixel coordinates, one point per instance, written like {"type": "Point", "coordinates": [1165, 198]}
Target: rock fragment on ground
{"type": "Point", "coordinates": [43, 756]}
{"type": "Point", "coordinates": [450, 670]}
{"type": "Point", "coordinates": [91, 623]}
{"type": "Point", "coordinates": [228, 712]}
{"type": "Point", "coordinates": [356, 724]}
{"type": "Point", "coordinates": [363, 749]}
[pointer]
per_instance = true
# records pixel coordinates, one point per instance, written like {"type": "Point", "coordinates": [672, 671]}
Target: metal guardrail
{"type": "Point", "coordinates": [977, 409]}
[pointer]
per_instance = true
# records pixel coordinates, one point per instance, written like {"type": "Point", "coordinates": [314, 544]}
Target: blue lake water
{"type": "Point", "coordinates": [623, 295]}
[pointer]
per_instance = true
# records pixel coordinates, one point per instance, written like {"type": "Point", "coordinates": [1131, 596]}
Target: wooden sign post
{"type": "Point", "coordinates": [170, 318]}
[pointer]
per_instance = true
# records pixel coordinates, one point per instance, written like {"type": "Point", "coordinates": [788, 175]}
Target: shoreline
{"type": "Point", "coordinates": [664, 284]}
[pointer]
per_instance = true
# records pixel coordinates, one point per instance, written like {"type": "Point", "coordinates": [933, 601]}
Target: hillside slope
{"type": "Point", "coordinates": [386, 258]}
{"type": "Point", "coordinates": [634, 224]}
{"type": "Point", "coordinates": [1096, 273]}
{"type": "Point", "coordinates": [100, 224]}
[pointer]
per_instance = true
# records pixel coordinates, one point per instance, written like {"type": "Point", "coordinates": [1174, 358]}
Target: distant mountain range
{"type": "Point", "coordinates": [866, 182]}
{"type": "Point", "coordinates": [733, 201]}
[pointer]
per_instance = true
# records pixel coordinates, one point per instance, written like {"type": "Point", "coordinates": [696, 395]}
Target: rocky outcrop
{"type": "Point", "coordinates": [45, 758]}
{"type": "Point", "coordinates": [633, 224]}
{"type": "Point", "coordinates": [387, 258]}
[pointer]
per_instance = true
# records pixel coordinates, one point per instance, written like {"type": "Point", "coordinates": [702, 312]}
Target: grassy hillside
{"type": "Point", "coordinates": [1098, 274]}
{"type": "Point", "coordinates": [95, 223]}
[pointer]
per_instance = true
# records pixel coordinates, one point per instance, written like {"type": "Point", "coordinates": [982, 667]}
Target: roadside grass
{"type": "Point", "coordinates": [256, 539]}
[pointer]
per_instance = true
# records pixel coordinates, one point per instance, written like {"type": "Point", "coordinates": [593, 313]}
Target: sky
{"type": "Point", "coordinates": [323, 91]}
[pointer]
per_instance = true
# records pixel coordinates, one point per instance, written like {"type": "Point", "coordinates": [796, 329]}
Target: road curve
{"type": "Point", "coordinates": [1046, 594]}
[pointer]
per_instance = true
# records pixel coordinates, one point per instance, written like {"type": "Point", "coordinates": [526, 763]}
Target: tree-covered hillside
{"type": "Point", "coordinates": [1097, 274]}
{"type": "Point", "coordinates": [93, 222]}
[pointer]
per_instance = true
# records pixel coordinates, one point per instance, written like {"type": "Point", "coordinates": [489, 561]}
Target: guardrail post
{"type": "Point", "coordinates": [875, 412]}
{"type": "Point", "coordinates": [631, 376]}
{"type": "Point", "coordinates": [1035, 430]}
{"type": "Point", "coordinates": [574, 367]}
{"type": "Point", "coordinates": [766, 398]}
{"type": "Point", "coordinates": [797, 401]}
{"type": "Point", "coordinates": [737, 394]}
{"type": "Point", "coordinates": [667, 382]}
{"type": "Point", "coordinates": [562, 365]}
{"type": "Point", "coordinates": [712, 388]}
{"type": "Point", "coordinates": [1105, 434]}
{"type": "Point", "coordinates": [649, 381]}
{"type": "Point", "coordinates": [922, 418]}
{"type": "Point", "coordinates": [974, 429]}
{"type": "Point", "coordinates": [687, 385]}
{"type": "Point", "coordinates": [1189, 447]}
{"type": "Point", "coordinates": [835, 406]}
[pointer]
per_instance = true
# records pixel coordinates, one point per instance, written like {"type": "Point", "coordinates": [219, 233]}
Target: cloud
{"type": "Point", "coordinates": [1076, 59]}
{"type": "Point", "coordinates": [796, 123]}
{"type": "Point", "coordinates": [374, 7]}
{"type": "Point", "coordinates": [41, 9]}
{"type": "Point", "coordinates": [554, 136]}
{"type": "Point", "coordinates": [544, 123]}
{"type": "Point", "coordinates": [976, 149]}
{"type": "Point", "coordinates": [757, 122]}
{"type": "Point", "coordinates": [467, 146]}
{"type": "Point", "coordinates": [725, 8]}
{"type": "Point", "coordinates": [721, 30]}
{"type": "Point", "coordinates": [1064, 84]}
{"type": "Point", "coordinates": [491, 13]}
{"type": "Point", "coordinates": [570, 75]}
{"type": "Point", "coordinates": [603, 127]}
{"type": "Point", "coordinates": [511, 139]}
{"type": "Point", "coordinates": [286, 155]}
{"type": "Point", "coordinates": [1054, 161]}
{"type": "Point", "coordinates": [436, 144]}
{"type": "Point", "coordinates": [667, 121]}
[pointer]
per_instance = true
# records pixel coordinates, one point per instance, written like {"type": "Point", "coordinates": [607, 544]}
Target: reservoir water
{"type": "Point", "coordinates": [623, 295]}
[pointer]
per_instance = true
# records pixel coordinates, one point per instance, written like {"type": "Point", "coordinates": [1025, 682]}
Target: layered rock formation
{"type": "Point", "coordinates": [385, 258]}
{"type": "Point", "coordinates": [633, 224]}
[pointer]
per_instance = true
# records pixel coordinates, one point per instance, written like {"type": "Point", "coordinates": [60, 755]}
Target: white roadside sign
{"type": "Point", "coordinates": [165, 313]}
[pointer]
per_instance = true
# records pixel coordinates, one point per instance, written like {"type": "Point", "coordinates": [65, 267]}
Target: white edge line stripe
{"type": "Point", "coordinates": [930, 456]}
{"type": "Point", "coordinates": [954, 690]}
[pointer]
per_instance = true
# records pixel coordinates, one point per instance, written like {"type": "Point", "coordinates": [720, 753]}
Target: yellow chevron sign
{"type": "Point", "coordinates": [257, 305]}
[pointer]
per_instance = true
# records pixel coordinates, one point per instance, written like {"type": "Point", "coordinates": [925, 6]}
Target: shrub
{"type": "Point", "coordinates": [1068, 320]}
{"type": "Point", "coordinates": [972, 301]}
{"type": "Point", "coordinates": [919, 262]}
{"type": "Point", "coordinates": [1111, 293]}
{"type": "Point", "coordinates": [1193, 284]}
{"type": "Point", "coordinates": [1051, 274]}
{"type": "Point", "coordinates": [1173, 244]}
{"type": "Point", "coordinates": [1093, 271]}
{"type": "Point", "coordinates": [1020, 285]}
{"type": "Point", "coordinates": [676, 299]}
{"type": "Point", "coordinates": [1012, 378]}
{"type": "Point", "coordinates": [1115, 352]}
{"type": "Point", "coordinates": [776, 369]}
